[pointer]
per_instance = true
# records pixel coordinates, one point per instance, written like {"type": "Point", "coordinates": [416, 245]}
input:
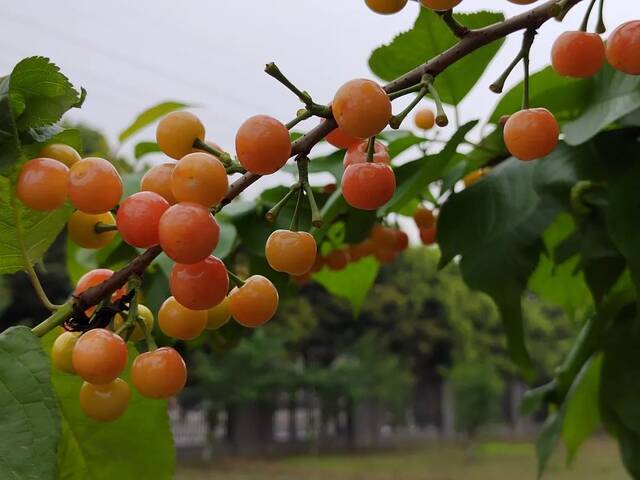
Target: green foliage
{"type": "Point", "coordinates": [148, 117]}
{"type": "Point", "coordinates": [476, 389]}
{"type": "Point", "coordinates": [30, 430]}
{"type": "Point", "coordinates": [89, 449]}
{"type": "Point", "coordinates": [430, 37]}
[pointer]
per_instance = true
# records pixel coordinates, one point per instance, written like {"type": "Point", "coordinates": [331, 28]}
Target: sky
{"type": "Point", "coordinates": [130, 55]}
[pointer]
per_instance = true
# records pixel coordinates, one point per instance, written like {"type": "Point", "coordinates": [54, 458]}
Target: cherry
{"type": "Point", "coordinates": [219, 315]}
{"type": "Point", "coordinates": [199, 178]}
{"type": "Point", "coordinates": [428, 235]}
{"type": "Point", "coordinates": [158, 180]}
{"type": "Point", "coordinates": [531, 134]}
{"type": "Point", "coordinates": [578, 54]}
{"type": "Point", "coordinates": [200, 286]}
{"type": "Point", "coordinates": [137, 334]}
{"type": "Point", "coordinates": [99, 356]}
{"type": "Point", "coordinates": [82, 231]}
{"type": "Point", "coordinates": [623, 48]}
{"type": "Point", "coordinates": [62, 351]}
{"type": "Point", "coordinates": [138, 219]}
{"type": "Point", "coordinates": [337, 260]}
{"type": "Point", "coordinates": [358, 153]}
{"type": "Point", "coordinates": [425, 119]}
{"type": "Point", "coordinates": [180, 322]}
{"type": "Point", "coordinates": [361, 108]}
{"type": "Point", "coordinates": [105, 403]}
{"type": "Point", "coordinates": [160, 373]}
{"type": "Point", "coordinates": [424, 217]}
{"type": "Point", "coordinates": [368, 186]}
{"type": "Point", "coordinates": [263, 145]}
{"type": "Point", "coordinates": [440, 5]}
{"type": "Point", "coordinates": [254, 303]}
{"type": "Point", "coordinates": [386, 7]}
{"type": "Point", "coordinates": [43, 184]}
{"type": "Point", "coordinates": [177, 132]}
{"type": "Point", "coordinates": [291, 252]}
{"type": "Point", "coordinates": [94, 185]}
{"type": "Point", "coordinates": [63, 153]}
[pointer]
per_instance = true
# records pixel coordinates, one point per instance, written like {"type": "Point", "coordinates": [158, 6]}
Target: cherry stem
{"type": "Point", "coordinates": [371, 148]}
{"type": "Point", "coordinates": [527, 42]}
{"type": "Point", "coordinates": [235, 279]}
{"type": "Point", "coordinates": [272, 215]}
{"type": "Point", "coordinates": [301, 117]}
{"type": "Point", "coordinates": [523, 55]}
{"type": "Point", "coordinates": [441, 117]}
{"type": "Point", "coordinates": [303, 177]}
{"type": "Point", "coordinates": [456, 27]}
{"type": "Point", "coordinates": [57, 318]}
{"type": "Point", "coordinates": [224, 157]}
{"type": "Point", "coordinates": [406, 91]}
{"type": "Point", "coordinates": [102, 227]}
{"type": "Point", "coordinates": [587, 16]}
{"type": "Point", "coordinates": [296, 212]}
{"type": "Point", "coordinates": [315, 109]}
{"type": "Point", "coordinates": [601, 27]}
{"type": "Point", "coordinates": [396, 120]}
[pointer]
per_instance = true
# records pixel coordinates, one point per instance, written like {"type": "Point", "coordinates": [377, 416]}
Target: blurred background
{"type": "Point", "coordinates": [414, 384]}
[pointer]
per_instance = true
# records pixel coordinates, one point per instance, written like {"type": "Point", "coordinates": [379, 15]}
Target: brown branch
{"type": "Point", "coordinates": [471, 41]}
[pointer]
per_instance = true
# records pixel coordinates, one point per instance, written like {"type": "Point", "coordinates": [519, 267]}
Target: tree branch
{"type": "Point", "coordinates": [472, 41]}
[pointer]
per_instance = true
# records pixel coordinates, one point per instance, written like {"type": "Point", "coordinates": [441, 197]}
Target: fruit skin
{"type": "Point", "coordinates": [361, 250]}
{"type": "Point", "coordinates": [255, 303]}
{"type": "Point", "coordinates": [358, 153]}
{"type": "Point", "coordinates": [199, 286]}
{"type": "Point", "coordinates": [522, 2]}
{"type": "Point", "coordinates": [577, 54]}
{"type": "Point", "coordinates": [188, 232]}
{"type": "Point", "coordinates": [424, 217]}
{"type": "Point", "coordinates": [219, 315]}
{"type": "Point", "coordinates": [428, 235]}
{"type": "Point", "coordinates": [623, 48]}
{"type": "Point", "coordinates": [368, 186]}
{"type": "Point", "coordinates": [440, 5]}
{"type": "Point", "coordinates": [137, 334]}
{"type": "Point", "coordinates": [105, 403]}
{"type": "Point", "coordinates": [402, 241]}
{"type": "Point", "coordinates": [93, 278]}
{"type": "Point", "coordinates": [384, 255]}
{"type": "Point", "coordinates": [138, 219]}
{"type": "Point", "coordinates": [158, 180]}
{"type": "Point", "coordinates": [176, 133]}
{"type": "Point", "coordinates": [99, 356]}
{"type": "Point", "coordinates": [425, 119]}
{"type": "Point", "coordinates": [263, 145]}
{"type": "Point", "coordinates": [291, 252]}
{"type": "Point", "coordinates": [161, 373]}
{"type": "Point", "coordinates": [43, 184]}
{"type": "Point", "coordinates": [386, 7]}
{"type": "Point", "coordinates": [199, 178]}
{"type": "Point", "coordinates": [81, 229]}
{"type": "Point", "coordinates": [361, 108]}
{"type": "Point", "coordinates": [339, 139]}
{"type": "Point", "coordinates": [531, 134]}
{"type": "Point", "coordinates": [94, 185]}
{"type": "Point", "coordinates": [63, 153]}
{"type": "Point", "coordinates": [180, 322]}
{"type": "Point", "coordinates": [337, 260]}
{"type": "Point", "coordinates": [62, 351]}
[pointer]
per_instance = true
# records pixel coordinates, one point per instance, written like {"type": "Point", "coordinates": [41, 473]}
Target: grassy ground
{"type": "Point", "coordinates": [598, 460]}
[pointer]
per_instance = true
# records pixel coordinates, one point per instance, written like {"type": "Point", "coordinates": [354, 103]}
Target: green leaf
{"type": "Point", "coordinates": [614, 96]}
{"type": "Point", "coordinates": [353, 283]}
{"type": "Point", "coordinates": [413, 178]}
{"type": "Point", "coordinates": [548, 440]}
{"type": "Point", "coordinates": [497, 227]}
{"type": "Point", "coordinates": [403, 143]}
{"type": "Point", "coordinates": [582, 410]}
{"type": "Point", "coordinates": [565, 97]}
{"type": "Point", "coordinates": [137, 445]}
{"type": "Point", "coordinates": [45, 93]}
{"type": "Point", "coordinates": [9, 142]}
{"type": "Point", "coordinates": [149, 116]}
{"type": "Point", "coordinates": [30, 424]}
{"type": "Point", "coordinates": [228, 235]}
{"type": "Point", "coordinates": [39, 229]}
{"type": "Point", "coordinates": [145, 148]}
{"type": "Point", "coordinates": [429, 37]}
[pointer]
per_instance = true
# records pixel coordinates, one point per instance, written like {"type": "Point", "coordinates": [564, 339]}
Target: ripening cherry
{"type": "Point", "coordinates": [82, 229]}
{"type": "Point", "coordinates": [428, 235]}
{"type": "Point", "coordinates": [300, 280]}
{"type": "Point", "coordinates": [177, 132]}
{"type": "Point", "coordinates": [522, 2]}
{"type": "Point", "coordinates": [385, 255]}
{"type": "Point", "coordinates": [425, 119]}
{"type": "Point", "coordinates": [329, 188]}
{"type": "Point", "coordinates": [63, 153]}
{"type": "Point", "coordinates": [361, 250]}
{"type": "Point", "coordinates": [99, 356]}
{"type": "Point", "coordinates": [180, 322]}
{"type": "Point", "coordinates": [424, 217]}
{"type": "Point", "coordinates": [337, 260]}
{"type": "Point", "coordinates": [255, 302]}
{"type": "Point", "coordinates": [531, 134]}
{"type": "Point", "coordinates": [578, 54]}
{"type": "Point", "coordinates": [62, 351]}
{"type": "Point", "coordinates": [383, 237]}
{"type": "Point", "coordinates": [199, 178]}
{"type": "Point", "coordinates": [440, 5]}
{"type": "Point", "coordinates": [158, 180]}
{"type": "Point", "coordinates": [43, 184]}
{"type": "Point", "coordinates": [199, 286]}
{"type": "Point", "coordinates": [318, 264]}
{"type": "Point", "coordinates": [219, 315]}
{"type": "Point", "coordinates": [386, 7]}
{"type": "Point", "coordinates": [160, 373]}
{"type": "Point", "coordinates": [138, 218]}
{"type": "Point", "coordinates": [291, 252]}
{"type": "Point", "coordinates": [93, 278]}
{"type": "Point", "coordinates": [623, 48]}
{"type": "Point", "coordinates": [105, 403]}
{"type": "Point", "coordinates": [358, 153]}
{"type": "Point", "coordinates": [263, 145]}
{"type": "Point", "coordinates": [137, 334]}
{"type": "Point", "coordinates": [188, 232]}
{"type": "Point", "coordinates": [339, 139]}
{"type": "Point", "coordinates": [368, 186]}
{"type": "Point", "coordinates": [361, 108]}
{"type": "Point", "coordinates": [94, 185]}
{"type": "Point", "coordinates": [402, 241]}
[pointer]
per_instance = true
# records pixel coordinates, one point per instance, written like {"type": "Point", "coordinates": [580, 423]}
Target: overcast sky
{"type": "Point", "coordinates": [130, 55]}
